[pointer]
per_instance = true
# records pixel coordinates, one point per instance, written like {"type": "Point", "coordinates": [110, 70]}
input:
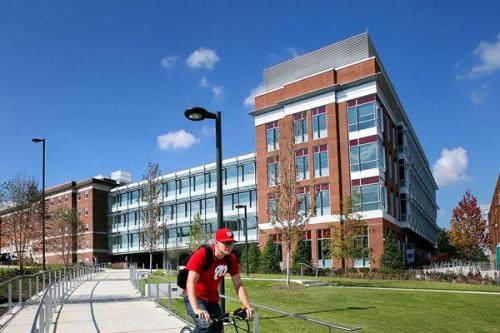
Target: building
{"type": "Point", "coordinates": [494, 227]}
{"type": "Point", "coordinates": [352, 138]}
{"type": "Point", "coordinates": [184, 194]}
{"type": "Point", "coordinates": [89, 199]}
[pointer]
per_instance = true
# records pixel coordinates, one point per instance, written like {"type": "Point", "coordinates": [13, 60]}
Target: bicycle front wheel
{"type": "Point", "coordinates": [186, 329]}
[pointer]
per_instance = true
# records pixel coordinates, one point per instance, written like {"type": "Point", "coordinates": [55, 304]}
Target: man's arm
{"type": "Point", "coordinates": [242, 294]}
{"type": "Point", "coordinates": [191, 292]}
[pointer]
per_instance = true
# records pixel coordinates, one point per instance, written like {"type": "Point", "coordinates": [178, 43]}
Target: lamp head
{"type": "Point", "coordinates": [196, 113]}
{"type": "Point", "coordinates": [37, 140]}
{"type": "Point", "coordinates": [240, 206]}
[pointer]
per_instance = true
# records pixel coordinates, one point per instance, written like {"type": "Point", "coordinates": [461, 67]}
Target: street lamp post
{"type": "Point", "coordinates": [42, 140]}
{"type": "Point", "coordinates": [197, 114]}
{"type": "Point", "coordinates": [246, 232]}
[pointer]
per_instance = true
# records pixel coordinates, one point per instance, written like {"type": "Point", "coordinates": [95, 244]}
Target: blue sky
{"type": "Point", "coordinates": [106, 82]}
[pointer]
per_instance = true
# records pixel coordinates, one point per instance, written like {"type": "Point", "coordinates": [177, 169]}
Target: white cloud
{"type": "Point", "coordinates": [203, 82]}
{"type": "Point", "coordinates": [202, 58]}
{"type": "Point", "coordinates": [169, 61]}
{"type": "Point", "coordinates": [176, 140]}
{"type": "Point", "coordinates": [250, 99]}
{"type": "Point", "coordinates": [480, 95]}
{"type": "Point", "coordinates": [217, 91]}
{"type": "Point", "coordinates": [450, 167]}
{"type": "Point", "coordinates": [489, 54]}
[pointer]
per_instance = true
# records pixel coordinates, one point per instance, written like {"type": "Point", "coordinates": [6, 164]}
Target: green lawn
{"type": "Point", "coordinates": [374, 310]}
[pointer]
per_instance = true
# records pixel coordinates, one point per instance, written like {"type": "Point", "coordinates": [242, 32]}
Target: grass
{"type": "Point", "coordinates": [374, 310]}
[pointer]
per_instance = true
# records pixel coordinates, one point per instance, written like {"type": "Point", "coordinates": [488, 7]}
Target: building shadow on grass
{"type": "Point", "coordinates": [303, 314]}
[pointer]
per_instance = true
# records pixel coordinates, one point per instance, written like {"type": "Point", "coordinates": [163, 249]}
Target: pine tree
{"type": "Point", "coordinates": [301, 255]}
{"type": "Point", "coordinates": [268, 261]}
{"type": "Point", "coordinates": [391, 260]}
{"type": "Point", "coordinates": [197, 236]}
{"type": "Point", "coordinates": [254, 258]}
{"type": "Point", "coordinates": [468, 228]}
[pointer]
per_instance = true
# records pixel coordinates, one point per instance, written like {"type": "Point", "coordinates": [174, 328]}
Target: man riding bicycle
{"type": "Point", "coordinates": [201, 296]}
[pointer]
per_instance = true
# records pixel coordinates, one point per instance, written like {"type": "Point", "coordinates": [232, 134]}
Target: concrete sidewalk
{"type": "Point", "coordinates": [106, 304]}
{"type": "Point", "coordinates": [110, 304]}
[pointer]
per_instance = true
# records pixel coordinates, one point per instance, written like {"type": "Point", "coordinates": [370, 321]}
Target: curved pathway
{"type": "Point", "coordinates": [110, 304]}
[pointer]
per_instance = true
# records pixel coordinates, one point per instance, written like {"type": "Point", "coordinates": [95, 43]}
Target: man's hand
{"type": "Point", "coordinates": [249, 312]}
{"type": "Point", "coordinates": [202, 314]}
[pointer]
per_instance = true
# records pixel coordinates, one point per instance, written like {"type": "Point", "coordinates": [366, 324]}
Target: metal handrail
{"type": "Point", "coordinates": [39, 308]}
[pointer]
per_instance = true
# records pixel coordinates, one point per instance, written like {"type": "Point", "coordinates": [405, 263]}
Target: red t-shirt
{"type": "Point", "coordinates": [206, 287]}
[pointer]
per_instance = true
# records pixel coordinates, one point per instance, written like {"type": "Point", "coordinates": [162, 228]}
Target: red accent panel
{"type": "Point", "coordinates": [319, 110]}
{"type": "Point", "coordinates": [370, 180]}
{"type": "Point", "coordinates": [352, 102]}
{"type": "Point", "coordinates": [366, 99]}
{"type": "Point", "coordinates": [300, 115]}
{"type": "Point", "coordinates": [301, 152]}
{"type": "Point", "coordinates": [355, 182]}
{"type": "Point", "coordinates": [367, 139]}
{"type": "Point", "coordinates": [354, 142]}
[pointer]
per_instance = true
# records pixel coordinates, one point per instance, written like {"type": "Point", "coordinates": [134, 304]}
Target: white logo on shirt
{"type": "Point", "coordinates": [220, 271]}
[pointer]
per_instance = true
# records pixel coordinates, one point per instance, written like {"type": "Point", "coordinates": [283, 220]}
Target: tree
{"type": "Point", "coordinates": [150, 215]}
{"type": "Point", "coordinates": [288, 212]}
{"type": "Point", "coordinates": [197, 236]}
{"type": "Point", "coordinates": [444, 245]}
{"type": "Point", "coordinates": [21, 224]}
{"type": "Point", "coordinates": [268, 261]}
{"type": "Point", "coordinates": [253, 258]}
{"type": "Point", "coordinates": [468, 228]}
{"type": "Point", "coordinates": [347, 237]}
{"type": "Point", "coordinates": [301, 255]}
{"type": "Point", "coordinates": [391, 260]}
{"type": "Point", "coordinates": [68, 227]}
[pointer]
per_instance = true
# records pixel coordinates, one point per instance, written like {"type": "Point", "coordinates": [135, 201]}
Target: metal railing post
{"type": "Point", "coordinates": [158, 292]}
{"type": "Point", "coordinates": [41, 320]}
{"type": "Point", "coordinates": [169, 295]}
{"type": "Point", "coordinates": [43, 282]}
{"type": "Point", "coordinates": [37, 284]}
{"type": "Point", "coordinates": [255, 322]}
{"type": "Point", "coordinates": [10, 297]}
{"type": "Point", "coordinates": [29, 289]}
{"type": "Point", "coordinates": [20, 291]}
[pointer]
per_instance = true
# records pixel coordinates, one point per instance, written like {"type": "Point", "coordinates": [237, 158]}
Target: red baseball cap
{"type": "Point", "coordinates": [224, 235]}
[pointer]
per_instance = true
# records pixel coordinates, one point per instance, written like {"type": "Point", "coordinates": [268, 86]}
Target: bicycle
{"type": "Point", "coordinates": [230, 318]}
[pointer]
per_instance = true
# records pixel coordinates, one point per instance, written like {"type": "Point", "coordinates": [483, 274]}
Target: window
{"type": "Point", "coordinates": [361, 250]}
{"type": "Point", "coordinates": [86, 211]}
{"type": "Point", "coordinates": [86, 194]}
{"type": "Point", "coordinates": [324, 244]}
{"type": "Point", "coordinates": [59, 199]}
{"type": "Point", "coordinates": [169, 213]}
{"type": "Point", "coordinates": [271, 207]}
{"type": "Point", "coordinates": [272, 136]}
{"type": "Point", "coordinates": [367, 197]}
{"type": "Point", "coordinates": [210, 206]}
{"type": "Point", "coordinates": [183, 185]}
{"type": "Point", "coordinates": [364, 113]}
{"type": "Point", "coordinates": [402, 203]}
{"type": "Point", "coordinates": [273, 171]}
{"type": "Point", "coordinates": [300, 127]}
{"type": "Point", "coordinates": [134, 197]}
{"type": "Point", "coordinates": [227, 202]}
{"type": "Point", "coordinates": [247, 172]}
{"type": "Point", "coordinates": [170, 188]}
{"type": "Point", "coordinates": [323, 199]}
{"type": "Point", "coordinates": [303, 201]}
{"type": "Point", "coordinates": [319, 122]}
{"type": "Point", "coordinates": [78, 196]}
{"type": "Point", "coordinates": [197, 183]}
{"type": "Point", "coordinates": [367, 156]}
{"type": "Point", "coordinates": [302, 164]}
{"type": "Point", "coordinates": [211, 179]}
{"type": "Point", "coordinates": [321, 161]}
{"type": "Point", "coordinates": [66, 197]}
{"type": "Point", "coordinates": [231, 175]}
{"type": "Point", "coordinates": [182, 210]}
{"type": "Point", "coordinates": [196, 207]}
